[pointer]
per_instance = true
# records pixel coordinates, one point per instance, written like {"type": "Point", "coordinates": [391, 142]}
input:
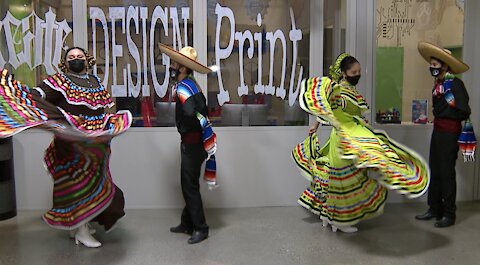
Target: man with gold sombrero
{"type": "Point", "coordinates": [450, 108]}
{"type": "Point", "coordinates": [198, 141]}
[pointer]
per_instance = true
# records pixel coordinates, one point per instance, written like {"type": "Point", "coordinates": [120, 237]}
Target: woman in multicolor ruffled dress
{"type": "Point", "coordinates": [342, 192]}
{"type": "Point", "coordinates": [73, 105]}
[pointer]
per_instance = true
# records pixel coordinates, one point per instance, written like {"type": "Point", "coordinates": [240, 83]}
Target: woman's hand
{"type": "Point", "coordinates": [313, 128]}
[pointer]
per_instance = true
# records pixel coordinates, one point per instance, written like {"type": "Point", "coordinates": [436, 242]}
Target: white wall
{"type": "Point", "coordinates": [254, 167]}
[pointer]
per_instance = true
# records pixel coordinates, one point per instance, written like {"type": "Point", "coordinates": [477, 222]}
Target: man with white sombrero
{"type": "Point", "coordinates": [198, 141]}
{"type": "Point", "coordinates": [450, 108]}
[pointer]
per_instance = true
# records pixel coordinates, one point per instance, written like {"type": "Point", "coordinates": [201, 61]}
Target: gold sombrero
{"type": "Point", "coordinates": [428, 51]}
{"type": "Point", "coordinates": [187, 56]}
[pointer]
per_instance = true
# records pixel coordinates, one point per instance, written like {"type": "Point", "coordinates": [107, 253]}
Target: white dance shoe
{"type": "Point", "coordinates": [90, 229]}
{"type": "Point", "coordinates": [83, 236]}
{"type": "Point", "coordinates": [325, 223]}
{"type": "Point", "coordinates": [345, 229]}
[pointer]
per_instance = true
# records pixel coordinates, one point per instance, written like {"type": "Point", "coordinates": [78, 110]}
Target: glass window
{"type": "Point", "coordinates": [124, 37]}
{"type": "Point", "coordinates": [122, 34]}
{"type": "Point", "coordinates": [261, 49]}
{"type": "Point", "coordinates": [334, 22]}
{"type": "Point", "coordinates": [403, 82]}
{"type": "Point", "coordinates": [33, 35]}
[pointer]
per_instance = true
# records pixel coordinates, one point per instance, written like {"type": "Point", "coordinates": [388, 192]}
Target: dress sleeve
{"type": "Point", "coordinates": [47, 93]}
{"type": "Point", "coordinates": [317, 95]}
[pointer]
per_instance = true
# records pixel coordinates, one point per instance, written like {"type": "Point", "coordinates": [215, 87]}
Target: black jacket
{"type": "Point", "coordinates": [185, 113]}
{"type": "Point", "coordinates": [461, 111]}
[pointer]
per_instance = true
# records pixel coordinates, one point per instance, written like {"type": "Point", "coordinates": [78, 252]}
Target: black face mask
{"type": "Point", "coordinates": [435, 71]}
{"type": "Point", "coordinates": [174, 73]}
{"type": "Point", "coordinates": [77, 65]}
{"type": "Point", "coordinates": [353, 80]}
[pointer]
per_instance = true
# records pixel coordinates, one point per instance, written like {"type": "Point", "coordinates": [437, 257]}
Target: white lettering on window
{"type": "Point", "coordinates": [33, 36]}
{"type": "Point", "coordinates": [295, 35]}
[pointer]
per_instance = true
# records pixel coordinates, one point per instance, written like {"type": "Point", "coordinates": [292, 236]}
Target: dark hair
{"type": "Point", "coordinates": [73, 48]}
{"type": "Point", "coordinates": [440, 61]}
{"type": "Point", "coordinates": [347, 63]}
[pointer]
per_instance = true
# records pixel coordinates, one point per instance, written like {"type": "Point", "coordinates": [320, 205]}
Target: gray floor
{"type": "Point", "coordinates": [275, 235]}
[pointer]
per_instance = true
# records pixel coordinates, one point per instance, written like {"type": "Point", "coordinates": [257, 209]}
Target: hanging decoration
{"type": "Point", "coordinates": [395, 21]}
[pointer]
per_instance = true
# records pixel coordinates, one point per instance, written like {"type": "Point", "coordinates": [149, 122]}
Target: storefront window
{"type": "Point", "coordinates": [33, 35]}
{"type": "Point", "coordinates": [261, 49]}
{"type": "Point", "coordinates": [124, 37]}
{"type": "Point", "coordinates": [403, 82]}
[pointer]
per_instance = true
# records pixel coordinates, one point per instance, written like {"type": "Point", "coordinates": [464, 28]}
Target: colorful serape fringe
{"type": "Point", "coordinates": [467, 142]}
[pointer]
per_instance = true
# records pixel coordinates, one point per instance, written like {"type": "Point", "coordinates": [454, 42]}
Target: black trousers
{"type": "Point", "coordinates": [442, 190]}
{"type": "Point", "coordinates": [193, 216]}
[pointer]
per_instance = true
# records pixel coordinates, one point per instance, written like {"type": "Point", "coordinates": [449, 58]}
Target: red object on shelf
{"type": "Point", "coordinates": [147, 111]}
{"type": "Point", "coordinates": [215, 111]}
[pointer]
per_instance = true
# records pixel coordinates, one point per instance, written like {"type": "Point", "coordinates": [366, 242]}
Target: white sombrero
{"type": "Point", "coordinates": [187, 56]}
{"type": "Point", "coordinates": [429, 51]}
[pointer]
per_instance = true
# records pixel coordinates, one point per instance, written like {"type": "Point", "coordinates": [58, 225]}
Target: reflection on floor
{"type": "Point", "coordinates": [251, 236]}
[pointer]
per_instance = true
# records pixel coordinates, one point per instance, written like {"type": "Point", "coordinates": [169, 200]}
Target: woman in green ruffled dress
{"type": "Point", "coordinates": [341, 191]}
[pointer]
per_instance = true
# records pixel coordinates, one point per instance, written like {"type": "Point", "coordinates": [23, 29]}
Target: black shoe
{"type": "Point", "coordinates": [428, 215]}
{"type": "Point", "coordinates": [197, 237]}
{"type": "Point", "coordinates": [445, 222]}
{"type": "Point", "coordinates": [181, 229]}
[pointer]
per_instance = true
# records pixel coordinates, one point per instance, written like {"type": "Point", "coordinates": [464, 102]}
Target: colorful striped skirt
{"type": "Point", "coordinates": [343, 188]}
{"type": "Point", "coordinates": [83, 189]}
